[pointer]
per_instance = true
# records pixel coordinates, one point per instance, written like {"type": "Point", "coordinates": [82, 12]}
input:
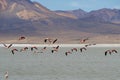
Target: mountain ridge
{"type": "Point", "coordinates": [25, 17]}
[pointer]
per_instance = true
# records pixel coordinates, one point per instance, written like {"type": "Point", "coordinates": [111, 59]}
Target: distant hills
{"type": "Point", "coordinates": [24, 17]}
{"type": "Point", "coordinates": [79, 13]}
{"type": "Point", "coordinates": [101, 15]}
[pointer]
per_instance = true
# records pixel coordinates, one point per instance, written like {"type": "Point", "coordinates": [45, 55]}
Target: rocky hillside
{"type": "Point", "coordinates": [24, 17]}
{"type": "Point", "coordinates": [101, 15]}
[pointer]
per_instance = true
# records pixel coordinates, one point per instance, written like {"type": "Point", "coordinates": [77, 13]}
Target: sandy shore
{"type": "Point", "coordinates": [71, 39]}
{"type": "Point", "coordinates": [63, 45]}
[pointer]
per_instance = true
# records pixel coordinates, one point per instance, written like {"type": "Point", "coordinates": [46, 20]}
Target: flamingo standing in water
{"type": "Point", "coordinates": [6, 75]}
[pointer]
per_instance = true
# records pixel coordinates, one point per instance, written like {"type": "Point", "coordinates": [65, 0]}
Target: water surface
{"type": "Point", "coordinates": [88, 65]}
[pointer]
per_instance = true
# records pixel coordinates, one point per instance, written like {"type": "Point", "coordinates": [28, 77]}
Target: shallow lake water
{"type": "Point", "coordinates": [91, 64]}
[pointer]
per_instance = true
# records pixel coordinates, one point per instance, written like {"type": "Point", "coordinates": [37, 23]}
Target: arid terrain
{"type": "Point", "coordinates": [36, 22]}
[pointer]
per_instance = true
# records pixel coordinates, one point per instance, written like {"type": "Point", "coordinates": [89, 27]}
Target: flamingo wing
{"type": "Point", "coordinates": [57, 47]}
{"type": "Point", "coordinates": [114, 51]}
{"type": "Point", "coordinates": [66, 53]}
{"type": "Point", "coordinates": [52, 51]}
{"type": "Point", "coordinates": [31, 48]}
{"type": "Point", "coordinates": [54, 41]}
{"type": "Point", "coordinates": [45, 40]}
{"type": "Point", "coordinates": [13, 51]}
{"type": "Point", "coordinates": [10, 45]}
{"type": "Point", "coordinates": [4, 45]}
{"type": "Point", "coordinates": [105, 53]}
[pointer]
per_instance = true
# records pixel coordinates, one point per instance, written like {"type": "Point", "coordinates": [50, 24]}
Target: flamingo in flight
{"type": "Point", "coordinates": [50, 40]}
{"type": "Point", "coordinates": [55, 41]}
{"type": "Point", "coordinates": [13, 51]}
{"type": "Point", "coordinates": [68, 52]}
{"type": "Point", "coordinates": [83, 48]}
{"type": "Point", "coordinates": [21, 38]}
{"type": "Point", "coordinates": [89, 45]}
{"type": "Point", "coordinates": [10, 45]}
{"type": "Point", "coordinates": [115, 51]}
{"type": "Point", "coordinates": [74, 49]}
{"type": "Point", "coordinates": [83, 40]}
{"type": "Point", "coordinates": [54, 50]}
{"type": "Point", "coordinates": [24, 49]}
{"type": "Point", "coordinates": [47, 39]}
{"type": "Point", "coordinates": [110, 51]}
{"type": "Point", "coordinates": [43, 49]}
{"type": "Point", "coordinates": [56, 47]}
{"type": "Point", "coordinates": [34, 47]}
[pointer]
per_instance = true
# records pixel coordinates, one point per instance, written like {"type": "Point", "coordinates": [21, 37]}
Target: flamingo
{"type": "Point", "coordinates": [6, 75]}
{"type": "Point", "coordinates": [111, 51]}
{"type": "Point", "coordinates": [54, 50]}
{"type": "Point", "coordinates": [50, 41]}
{"type": "Point", "coordinates": [55, 41]}
{"type": "Point", "coordinates": [24, 49]}
{"type": "Point", "coordinates": [83, 40]}
{"type": "Point", "coordinates": [10, 45]}
{"type": "Point", "coordinates": [56, 47]}
{"type": "Point", "coordinates": [108, 51]}
{"type": "Point", "coordinates": [34, 47]}
{"type": "Point", "coordinates": [47, 39]}
{"type": "Point", "coordinates": [44, 48]}
{"type": "Point", "coordinates": [68, 52]}
{"type": "Point", "coordinates": [22, 38]}
{"type": "Point", "coordinates": [83, 48]}
{"type": "Point", "coordinates": [89, 45]}
{"type": "Point", "coordinates": [74, 49]}
{"type": "Point", "coordinates": [13, 51]}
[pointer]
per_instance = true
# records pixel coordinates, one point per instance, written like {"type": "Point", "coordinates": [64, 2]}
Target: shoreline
{"type": "Point", "coordinates": [63, 45]}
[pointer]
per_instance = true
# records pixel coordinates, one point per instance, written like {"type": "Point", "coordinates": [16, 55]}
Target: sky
{"type": "Point", "coordinates": [86, 5]}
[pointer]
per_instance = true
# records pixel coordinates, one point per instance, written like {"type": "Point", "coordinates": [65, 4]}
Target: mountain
{"type": "Point", "coordinates": [103, 15]}
{"type": "Point", "coordinates": [79, 13]}
{"type": "Point", "coordinates": [23, 9]}
{"type": "Point", "coordinates": [24, 17]}
{"type": "Point", "coordinates": [27, 17]}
